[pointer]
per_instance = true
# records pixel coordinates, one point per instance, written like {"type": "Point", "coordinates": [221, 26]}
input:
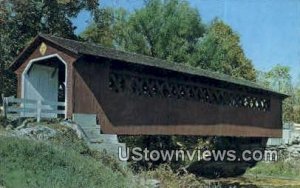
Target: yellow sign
{"type": "Point", "coordinates": [43, 48]}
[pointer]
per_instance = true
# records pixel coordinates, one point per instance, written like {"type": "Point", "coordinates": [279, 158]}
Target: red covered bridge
{"type": "Point", "coordinates": [136, 94]}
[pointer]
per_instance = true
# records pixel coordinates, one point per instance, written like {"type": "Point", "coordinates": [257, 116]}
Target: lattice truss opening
{"type": "Point", "coordinates": [151, 86]}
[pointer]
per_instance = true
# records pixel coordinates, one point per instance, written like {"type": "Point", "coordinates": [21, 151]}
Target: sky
{"type": "Point", "coordinates": [269, 29]}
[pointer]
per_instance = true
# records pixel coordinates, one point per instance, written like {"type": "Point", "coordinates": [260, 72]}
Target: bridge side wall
{"type": "Point", "coordinates": [133, 100]}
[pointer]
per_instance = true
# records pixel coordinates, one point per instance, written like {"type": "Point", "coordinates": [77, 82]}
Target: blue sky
{"type": "Point", "coordinates": [269, 29]}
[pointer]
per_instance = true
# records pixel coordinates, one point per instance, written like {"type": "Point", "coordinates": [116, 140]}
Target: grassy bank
{"type": "Point", "coordinates": [65, 161]}
{"type": "Point", "coordinates": [289, 169]}
{"type": "Point", "coordinates": [27, 163]}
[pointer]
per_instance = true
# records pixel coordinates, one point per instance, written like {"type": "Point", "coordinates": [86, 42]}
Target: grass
{"type": "Point", "coordinates": [289, 169]}
{"type": "Point", "coordinates": [26, 163]}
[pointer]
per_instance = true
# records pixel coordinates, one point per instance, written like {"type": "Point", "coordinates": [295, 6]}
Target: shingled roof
{"type": "Point", "coordinates": [84, 48]}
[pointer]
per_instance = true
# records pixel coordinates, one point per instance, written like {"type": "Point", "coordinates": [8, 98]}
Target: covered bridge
{"type": "Point", "coordinates": [136, 94]}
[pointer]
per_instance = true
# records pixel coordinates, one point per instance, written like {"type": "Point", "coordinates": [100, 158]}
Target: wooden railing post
{"type": "Point", "coordinates": [39, 109]}
{"type": "Point", "coordinates": [5, 107]}
{"type": "Point", "coordinates": [23, 107]}
{"type": "Point", "coordinates": [4, 102]}
{"type": "Point", "coordinates": [2, 97]}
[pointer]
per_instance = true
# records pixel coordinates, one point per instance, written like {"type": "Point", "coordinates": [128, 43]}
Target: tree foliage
{"type": "Point", "coordinates": [279, 79]}
{"type": "Point", "coordinates": [296, 107]}
{"type": "Point", "coordinates": [220, 51]}
{"type": "Point", "coordinates": [102, 30]}
{"type": "Point", "coordinates": [163, 29]}
{"type": "Point", "coordinates": [173, 30]}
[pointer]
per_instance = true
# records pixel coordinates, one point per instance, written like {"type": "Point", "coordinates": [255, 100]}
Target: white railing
{"type": "Point", "coordinates": [32, 108]}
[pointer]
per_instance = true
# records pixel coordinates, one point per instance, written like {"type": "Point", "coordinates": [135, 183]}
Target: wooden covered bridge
{"type": "Point", "coordinates": [140, 95]}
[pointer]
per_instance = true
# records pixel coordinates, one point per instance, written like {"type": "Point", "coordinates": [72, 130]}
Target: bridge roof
{"type": "Point", "coordinates": [84, 48]}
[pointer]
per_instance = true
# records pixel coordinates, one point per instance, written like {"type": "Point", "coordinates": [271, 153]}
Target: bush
{"type": "Point", "coordinates": [67, 138]}
{"type": "Point", "coordinates": [169, 178]}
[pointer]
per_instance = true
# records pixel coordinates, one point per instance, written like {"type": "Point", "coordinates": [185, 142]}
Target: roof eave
{"type": "Point", "coordinates": [254, 86]}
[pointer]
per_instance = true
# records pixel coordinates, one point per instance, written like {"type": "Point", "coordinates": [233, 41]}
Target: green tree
{"type": "Point", "coordinates": [279, 79]}
{"type": "Point", "coordinates": [220, 51]}
{"type": "Point", "coordinates": [102, 30]}
{"type": "Point", "coordinates": [20, 21]}
{"type": "Point", "coordinates": [296, 108]}
{"type": "Point", "coordinates": [164, 29]}
{"type": "Point", "coordinates": [172, 30]}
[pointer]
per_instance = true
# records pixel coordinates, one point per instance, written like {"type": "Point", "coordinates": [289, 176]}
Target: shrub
{"type": "Point", "coordinates": [169, 178]}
